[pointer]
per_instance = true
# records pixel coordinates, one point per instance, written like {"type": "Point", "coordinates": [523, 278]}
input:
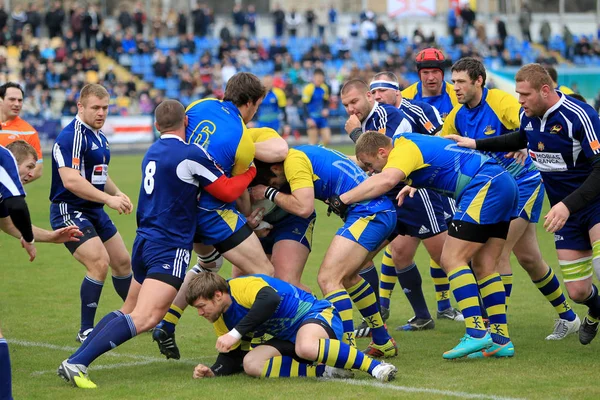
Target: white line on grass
{"type": "Point", "coordinates": [408, 389]}
{"type": "Point", "coordinates": [143, 360]}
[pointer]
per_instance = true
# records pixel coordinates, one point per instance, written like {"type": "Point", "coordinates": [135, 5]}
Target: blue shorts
{"type": "Point", "coordinates": [151, 258]}
{"type": "Point", "coordinates": [421, 216]}
{"type": "Point", "coordinates": [215, 226]}
{"type": "Point", "coordinates": [368, 228]}
{"type": "Point", "coordinates": [275, 125]}
{"type": "Point", "coordinates": [531, 199]}
{"type": "Point", "coordinates": [575, 234]}
{"type": "Point", "coordinates": [87, 219]}
{"type": "Point", "coordinates": [449, 206]}
{"type": "Point", "coordinates": [291, 227]}
{"type": "Point", "coordinates": [491, 197]}
{"type": "Point", "coordinates": [321, 122]}
{"type": "Point", "coordinates": [322, 313]}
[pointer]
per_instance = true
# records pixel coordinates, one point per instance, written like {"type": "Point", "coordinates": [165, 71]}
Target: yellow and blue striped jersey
{"type": "Point", "coordinates": [219, 128]}
{"type": "Point", "coordinates": [435, 163]}
{"type": "Point", "coordinates": [496, 114]}
{"type": "Point", "coordinates": [270, 108]}
{"type": "Point", "coordinates": [443, 103]}
{"type": "Point", "coordinates": [314, 98]}
{"type": "Point", "coordinates": [329, 172]}
{"type": "Point", "coordinates": [284, 323]}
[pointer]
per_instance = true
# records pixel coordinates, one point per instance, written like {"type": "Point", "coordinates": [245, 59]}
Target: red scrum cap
{"type": "Point", "coordinates": [431, 58]}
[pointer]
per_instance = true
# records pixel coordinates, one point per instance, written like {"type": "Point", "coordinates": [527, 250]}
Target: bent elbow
{"type": "Point", "coordinates": [306, 212]}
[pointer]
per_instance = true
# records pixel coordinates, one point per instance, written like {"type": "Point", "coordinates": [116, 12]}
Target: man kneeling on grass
{"type": "Point", "coordinates": [306, 332]}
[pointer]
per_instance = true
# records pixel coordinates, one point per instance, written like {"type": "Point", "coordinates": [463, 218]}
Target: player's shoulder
{"type": "Point", "coordinates": [202, 104]}
{"type": "Point", "coordinates": [411, 91]}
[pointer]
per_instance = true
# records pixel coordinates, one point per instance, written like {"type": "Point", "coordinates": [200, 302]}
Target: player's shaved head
{"type": "Point", "coordinates": [357, 84]}
{"type": "Point", "coordinates": [169, 116]}
{"type": "Point", "coordinates": [205, 285]}
{"type": "Point", "coordinates": [370, 142]}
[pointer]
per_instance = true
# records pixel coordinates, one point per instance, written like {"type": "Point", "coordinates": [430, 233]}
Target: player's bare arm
{"type": "Point", "coordinates": [375, 186]}
{"type": "Point", "coordinates": [301, 202]}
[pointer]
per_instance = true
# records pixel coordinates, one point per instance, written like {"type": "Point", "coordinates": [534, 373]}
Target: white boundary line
{"type": "Point", "coordinates": [142, 360]}
{"type": "Point", "coordinates": [145, 360]}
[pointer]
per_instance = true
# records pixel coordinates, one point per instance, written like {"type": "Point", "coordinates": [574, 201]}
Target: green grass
{"type": "Point", "coordinates": [39, 303]}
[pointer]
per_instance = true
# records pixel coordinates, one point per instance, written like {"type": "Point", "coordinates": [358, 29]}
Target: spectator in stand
{"type": "Point", "coordinates": [382, 36]}
{"type": "Point", "coordinates": [452, 20]}
{"type": "Point", "coordinates": [162, 66]}
{"type": "Point", "coordinates": [502, 34]}
{"type": "Point", "coordinates": [199, 21]}
{"type": "Point", "coordinates": [468, 16]}
{"type": "Point", "coordinates": [19, 19]}
{"type": "Point", "coordinates": [368, 33]}
{"type": "Point", "coordinates": [34, 19]}
{"type": "Point", "coordinates": [333, 21]}
{"type": "Point", "coordinates": [251, 19]}
{"type": "Point", "coordinates": [139, 18]}
{"type": "Point", "coordinates": [293, 21]}
{"type": "Point", "coordinates": [525, 22]}
{"type": "Point", "coordinates": [182, 23]}
{"type": "Point", "coordinates": [278, 20]}
{"type": "Point", "coordinates": [77, 14]}
{"type": "Point", "coordinates": [583, 47]}
{"type": "Point", "coordinates": [55, 19]}
{"type": "Point", "coordinates": [545, 33]}
{"type": "Point", "coordinates": [3, 17]}
{"type": "Point", "coordinates": [310, 18]}
{"type": "Point", "coordinates": [239, 19]}
{"type": "Point", "coordinates": [125, 20]}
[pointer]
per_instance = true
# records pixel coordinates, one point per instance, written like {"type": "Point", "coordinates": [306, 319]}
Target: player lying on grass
{"type": "Point", "coordinates": [305, 330]}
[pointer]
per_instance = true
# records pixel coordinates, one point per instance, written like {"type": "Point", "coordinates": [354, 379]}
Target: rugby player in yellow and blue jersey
{"type": "Point", "coordinates": [305, 330]}
{"type": "Point", "coordinates": [487, 199]}
{"type": "Point", "coordinates": [432, 88]}
{"type": "Point", "coordinates": [561, 135]}
{"type": "Point", "coordinates": [491, 112]}
{"type": "Point", "coordinates": [315, 172]}
{"type": "Point", "coordinates": [315, 97]}
{"type": "Point", "coordinates": [219, 127]}
{"type": "Point", "coordinates": [272, 109]}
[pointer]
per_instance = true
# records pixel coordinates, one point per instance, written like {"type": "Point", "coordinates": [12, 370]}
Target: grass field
{"type": "Point", "coordinates": [39, 314]}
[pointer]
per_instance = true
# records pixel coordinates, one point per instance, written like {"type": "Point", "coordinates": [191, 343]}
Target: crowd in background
{"type": "Point", "coordinates": [58, 51]}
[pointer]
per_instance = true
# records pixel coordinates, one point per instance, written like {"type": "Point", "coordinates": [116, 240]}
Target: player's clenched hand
{"type": "Point", "coordinates": [352, 123]}
{"type": "Point", "coordinates": [225, 343]}
{"type": "Point", "coordinates": [129, 203]}
{"type": "Point", "coordinates": [202, 371]}
{"type": "Point", "coordinates": [257, 192]}
{"type": "Point", "coordinates": [66, 234]}
{"type": "Point", "coordinates": [256, 217]}
{"type": "Point", "coordinates": [119, 203]}
{"type": "Point", "coordinates": [30, 248]}
{"type": "Point", "coordinates": [556, 217]}
{"type": "Point", "coordinates": [405, 191]}
{"type": "Point", "coordinates": [462, 141]}
{"type": "Point", "coordinates": [337, 206]}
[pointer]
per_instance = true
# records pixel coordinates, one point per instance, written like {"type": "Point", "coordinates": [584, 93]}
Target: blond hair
{"type": "Point", "coordinates": [92, 89]}
{"type": "Point", "coordinates": [536, 75]}
{"type": "Point", "coordinates": [369, 142]}
{"type": "Point", "coordinates": [21, 149]}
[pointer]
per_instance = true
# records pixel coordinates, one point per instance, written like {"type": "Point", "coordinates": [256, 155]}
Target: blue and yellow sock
{"type": "Point", "coordinates": [338, 354]}
{"type": "Point", "coordinates": [412, 285]}
{"type": "Point", "coordinates": [287, 367]}
{"type": "Point", "coordinates": [387, 279]}
{"type": "Point", "coordinates": [89, 293]}
{"type": "Point", "coordinates": [363, 296]}
{"type": "Point", "coordinates": [507, 281]}
{"type": "Point", "coordinates": [171, 319]}
{"type": "Point", "coordinates": [116, 332]}
{"type": "Point", "coordinates": [550, 288]}
{"type": "Point", "coordinates": [342, 303]}
{"type": "Point", "coordinates": [99, 326]}
{"type": "Point", "coordinates": [441, 284]}
{"type": "Point", "coordinates": [121, 284]}
{"type": "Point", "coordinates": [371, 275]}
{"type": "Point", "coordinates": [466, 293]}
{"type": "Point", "coordinates": [494, 298]}
{"type": "Point", "coordinates": [5, 376]}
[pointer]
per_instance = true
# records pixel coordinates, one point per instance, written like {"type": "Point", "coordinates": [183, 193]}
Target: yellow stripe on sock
{"type": "Point", "coordinates": [554, 295]}
{"type": "Point", "coordinates": [354, 288]}
{"type": "Point", "coordinates": [459, 269]}
{"type": "Point", "coordinates": [176, 309]}
{"type": "Point", "coordinates": [276, 368]}
{"type": "Point", "coordinates": [495, 310]}
{"type": "Point", "coordinates": [468, 302]}
{"type": "Point", "coordinates": [499, 329]}
{"type": "Point", "coordinates": [475, 323]}
{"type": "Point", "coordinates": [294, 369]}
{"type": "Point", "coordinates": [544, 282]}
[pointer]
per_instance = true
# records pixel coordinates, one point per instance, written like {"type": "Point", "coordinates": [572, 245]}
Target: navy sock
{"type": "Point", "coordinates": [372, 277]}
{"type": "Point", "coordinates": [593, 303]}
{"type": "Point", "coordinates": [121, 284]}
{"type": "Point", "coordinates": [101, 324]}
{"type": "Point", "coordinates": [89, 293]}
{"type": "Point", "coordinates": [5, 380]}
{"type": "Point", "coordinates": [411, 282]}
{"type": "Point", "coordinates": [116, 332]}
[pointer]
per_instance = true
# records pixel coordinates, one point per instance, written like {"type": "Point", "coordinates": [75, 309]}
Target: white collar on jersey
{"type": "Point", "coordinates": [171, 136]}
{"type": "Point", "coordinates": [364, 123]}
{"type": "Point", "coordinates": [96, 131]}
{"type": "Point", "coordinates": [559, 103]}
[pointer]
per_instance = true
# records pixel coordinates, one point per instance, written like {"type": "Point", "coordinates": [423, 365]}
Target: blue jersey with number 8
{"type": "Point", "coordinates": [173, 172]}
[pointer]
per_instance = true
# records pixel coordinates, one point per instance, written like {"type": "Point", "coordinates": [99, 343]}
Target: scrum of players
{"type": "Point", "coordinates": [456, 166]}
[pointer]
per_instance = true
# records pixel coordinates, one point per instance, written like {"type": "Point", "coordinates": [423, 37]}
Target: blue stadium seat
{"type": "Point", "coordinates": [160, 83]}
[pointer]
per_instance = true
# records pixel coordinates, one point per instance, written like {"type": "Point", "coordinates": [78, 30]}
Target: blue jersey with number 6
{"type": "Point", "coordinates": [173, 172]}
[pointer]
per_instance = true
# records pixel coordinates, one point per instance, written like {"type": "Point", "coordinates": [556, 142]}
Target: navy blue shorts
{"type": "Point", "coordinates": [159, 261]}
{"type": "Point", "coordinates": [575, 234]}
{"type": "Point", "coordinates": [421, 216]}
{"type": "Point", "coordinates": [91, 221]}
{"type": "Point", "coordinates": [290, 227]}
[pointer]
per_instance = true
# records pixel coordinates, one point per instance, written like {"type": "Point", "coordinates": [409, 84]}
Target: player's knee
{"type": "Point", "coordinates": [578, 293]}
{"type": "Point", "coordinates": [328, 282]}
{"type": "Point", "coordinates": [98, 265]}
{"type": "Point", "coordinates": [530, 261]}
{"type": "Point", "coordinates": [253, 366]}
{"type": "Point", "coordinates": [144, 320]}
{"type": "Point", "coordinates": [306, 351]}
{"type": "Point", "coordinates": [121, 265]}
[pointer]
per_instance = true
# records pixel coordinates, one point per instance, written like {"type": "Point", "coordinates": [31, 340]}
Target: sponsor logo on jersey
{"type": "Point", "coordinates": [555, 129]}
{"type": "Point", "coordinates": [529, 127]}
{"type": "Point", "coordinates": [548, 162]}
{"type": "Point", "coordinates": [489, 130]}
{"type": "Point", "coordinates": [541, 146]}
